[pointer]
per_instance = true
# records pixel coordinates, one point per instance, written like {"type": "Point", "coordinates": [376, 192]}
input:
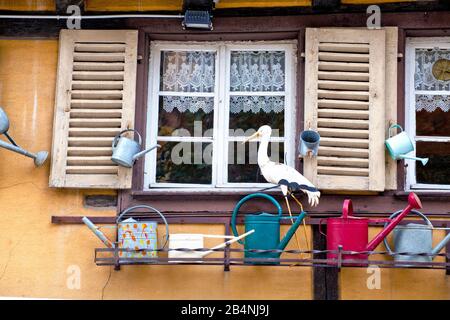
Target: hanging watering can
{"type": "Point", "coordinates": [39, 158]}
{"type": "Point", "coordinates": [415, 238]}
{"type": "Point", "coordinates": [139, 236]}
{"type": "Point", "coordinates": [267, 230]}
{"type": "Point", "coordinates": [126, 150]}
{"type": "Point", "coordinates": [351, 233]}
{"type": "Point", "coordinates": [309, 143]}
{"type": "Point", "coordinates": [400, 144]}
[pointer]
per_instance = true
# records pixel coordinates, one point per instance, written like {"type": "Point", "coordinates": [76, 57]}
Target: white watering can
{"type": "Point", "coordinates": [401, 144]}
{"type": "Point", "coordinates": [39, 158]}
{"type": "Point", "coordinates": [126, 150]}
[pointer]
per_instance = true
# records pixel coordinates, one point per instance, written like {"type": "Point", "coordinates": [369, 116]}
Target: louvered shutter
{"type": "Point", "coordinates": [345, 102]}
{"type": "Point", "coordinates": [95, 99]}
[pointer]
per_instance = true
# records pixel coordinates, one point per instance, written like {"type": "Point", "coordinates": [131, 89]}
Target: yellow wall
{"type": "Point", "coordinates": [35, 254]}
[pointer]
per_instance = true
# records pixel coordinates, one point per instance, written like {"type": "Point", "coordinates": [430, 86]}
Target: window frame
{"type": "Point", "coordinates": [413, 43]}
{"type": "Point", "coordinates": [221, 109]}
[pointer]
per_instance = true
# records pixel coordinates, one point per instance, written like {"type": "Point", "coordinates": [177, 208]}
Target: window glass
{"type": "Point", "coordinates": [437, 170]}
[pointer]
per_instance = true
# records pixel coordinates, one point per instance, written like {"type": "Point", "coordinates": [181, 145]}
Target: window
{"type": "Point", "coordinates": [205, 99]}
{"type": "Point", "coordinates": [428, 111]}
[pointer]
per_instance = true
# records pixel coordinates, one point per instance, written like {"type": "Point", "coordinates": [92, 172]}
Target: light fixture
{"type": "Point", "coordinates": [197, 19]}
{"type": "Point", "coordinates": [197, 14]}
{"type": "Point", "coordinates": [39, 158]}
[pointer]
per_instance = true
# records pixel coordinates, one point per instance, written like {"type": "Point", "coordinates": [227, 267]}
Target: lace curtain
{"type": "Point", "coordinates": [423, 75]}
{"type": "Point", "coordinates": [188, 71]}
{"type": "Point", "coordinates": [424, 80]}
{"type": "Point", "coordinates": [257, 71]}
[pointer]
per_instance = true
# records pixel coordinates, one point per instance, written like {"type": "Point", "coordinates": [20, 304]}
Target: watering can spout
{"type": "Point", "coordinates": [440, 245]}
{"type": "Point", "coordinates": [413, 203]}
{"type": "Point", "coordinates": [140, 154]}
{"type": "Point", "coordinates": [283, 243]}
{"type": "Point", "coordinates": [424, 161]}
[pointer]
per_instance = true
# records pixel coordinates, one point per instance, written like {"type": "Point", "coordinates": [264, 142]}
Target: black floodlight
{"type": "Point", "coordinates": [197, 19]}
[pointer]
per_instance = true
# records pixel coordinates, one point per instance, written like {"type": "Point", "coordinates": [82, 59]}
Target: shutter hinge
{"type": "Point", "coordinates": [139, 58]}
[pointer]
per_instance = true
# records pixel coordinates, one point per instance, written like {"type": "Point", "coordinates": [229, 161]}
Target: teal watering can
{"type": "Point", "coordinates": [267, 230]}
{"type": "Point", "coordinates": [401, 144]}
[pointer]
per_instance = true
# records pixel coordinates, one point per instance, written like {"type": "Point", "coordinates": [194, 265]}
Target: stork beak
{"type": "Point", "coordinates": [253, 136]}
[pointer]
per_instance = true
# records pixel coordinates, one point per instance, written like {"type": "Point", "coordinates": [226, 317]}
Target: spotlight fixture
{"type": "Point", "coordinates": [197, 14]}
{"type": "Point", "coordinates": [197, 19]}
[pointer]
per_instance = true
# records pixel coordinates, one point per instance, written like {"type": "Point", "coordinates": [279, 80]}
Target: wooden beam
{"type": "Point", "coordinates": [62, 5]}
{"type": "Point", "coordinates": [325, 5]}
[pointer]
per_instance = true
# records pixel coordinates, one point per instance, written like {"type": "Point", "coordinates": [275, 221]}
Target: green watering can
{"type": "Point", "coordinates": [267, 230]}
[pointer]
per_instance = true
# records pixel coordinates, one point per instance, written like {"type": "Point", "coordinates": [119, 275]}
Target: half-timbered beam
{"type": "Point", "coordinates": [62, 5]}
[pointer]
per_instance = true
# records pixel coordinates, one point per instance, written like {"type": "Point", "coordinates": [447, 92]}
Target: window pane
{"type": "Point", "coordinates": [243, 161]}
{"type": "Point", "coordinates": [187, 71]}
{"type": "Point", "coordinates": [432, 70]}
{"type": "Point", "coordinates": [251, 112]}
{"type": "Point", "coordinates": [432, 115]}
{"type": "Point", "coordinates": [184, 162]}
{"type": "Point", "coordinates": [190, 116]}
{"type": "Point", "coordinates": [437, 169]}
{"type": "Point", "coordinates": [257, 71]}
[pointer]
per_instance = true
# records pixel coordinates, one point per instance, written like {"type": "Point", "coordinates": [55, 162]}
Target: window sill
{"type": "Point", "coordinates": [188, 192]}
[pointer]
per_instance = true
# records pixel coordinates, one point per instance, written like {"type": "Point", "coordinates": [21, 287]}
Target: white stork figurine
{"type": "Point", "coordinates": [286, 177]}
{"type": "Point", "coordinates": [281, 174]}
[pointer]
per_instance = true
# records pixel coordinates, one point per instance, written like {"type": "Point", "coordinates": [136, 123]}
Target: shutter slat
{"type": "Point", "coordinates": [97, 94]}
{"type": "Point", "coordinates": [343, 162]}
{"type": "Point", "coordinates": [95, 85]}
{"type": "Point", "coordinates": [92, 170]}
{"type": "Point", "coordinates": [100, 47]}
{"type": "Point", "coordinates": [95, 104]}
{"type": "Point", "coordinates": [90, 142]}
{"type": "Point", "coordinates": [343, 123]}
{"type": "Point", "coordinates": [344, 102]}
{"type": "Point", "coordinates": [98, 66]}
{"type": "Point", "coordinates": [98, 57]}
{"type": "Point", "coordinates": [97, 75]}
{"type": "Point", "coordinates": [343, 113]}
{"type": "Point", "coordinates": [342, 171]}
{"type": "Point", "coordinates": [343, 66]}
{"type": "Point", "coordinates": [95, 113]}
{"type": "Point", "coordinates": [344, 142]}
{"type": "Point", "coordinates": [93, 132]}
{"type": "Point", "coordinates": [345, 152]}
{"type": "Point", "coordinates": [89, 161]}
{"type": "Point", "coordinates": [344, 47]}
{"type": "Point", "coordinates": [340, 75]}
{"type": "Point", "coordinates": [95, 123]}
{"type": "Point", "coordinates": [89, 151]}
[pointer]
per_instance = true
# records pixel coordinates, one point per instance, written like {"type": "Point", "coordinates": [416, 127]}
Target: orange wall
{"type": "Point", "coordinates": [35, 254]}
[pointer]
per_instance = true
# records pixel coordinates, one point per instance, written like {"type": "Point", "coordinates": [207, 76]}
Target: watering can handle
{"type": "Point", "coordinates": [117, 137]}
{"type": "Point", "coordinates": [347, 208]}
{"type": "Point", "coordinates": [392, 127]}
{"type": "Point", "coordinates": [320, 227]}
{"type": "Point", "coordinates": [245, 199]}
{"type": "Point", "coordinates": [146, 207]}
{"type": "Point", "coordinates": [418, 213]}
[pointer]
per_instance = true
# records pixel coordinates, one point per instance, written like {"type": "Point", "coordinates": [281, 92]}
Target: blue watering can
{"type": "Point", "coordinates": [401, 144]}
{"type": "Point", "coordinates": [267, 230]}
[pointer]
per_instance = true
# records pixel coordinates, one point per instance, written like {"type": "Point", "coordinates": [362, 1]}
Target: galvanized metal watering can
{"type": "Point", "coordinates": [309, 143]}
{"type": "Point", "coordinates": [350, 233]}
{"type": "Point", "coordinates": [267, 230]}
{"type": "Point", "coordinates": [400, 144]}
{"type": "Point", "coordinates": [126, 150]}
{"type": "Point", "coordinates": [39, 158]}
{"type": "Point", "coordinates": [415, 238]}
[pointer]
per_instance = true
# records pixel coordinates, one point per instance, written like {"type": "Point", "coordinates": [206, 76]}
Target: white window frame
{"type": "Point", "coordinates": [221, 110]}
{"type": "Point", "coordinates": [411, 45]}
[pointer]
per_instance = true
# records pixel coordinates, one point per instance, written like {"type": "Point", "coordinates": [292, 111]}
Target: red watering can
{"type": "Point", "coordinates": [351, 233]}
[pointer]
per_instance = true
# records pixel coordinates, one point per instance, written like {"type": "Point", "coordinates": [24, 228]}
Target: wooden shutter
{"type": "Point", "coordinates": [95, 99]}
{"type": "Point", "coordinates": [345, 102]}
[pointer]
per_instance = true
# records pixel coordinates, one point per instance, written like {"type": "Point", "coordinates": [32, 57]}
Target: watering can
{"type": "Point", "coordinates": [39, 158]}
{"type": "Point", "coordinates": [126, 150]}
{"type": "Point", "coordinates": [309, 143]}
{"type": "Point", "coordinates": [415, 238]}
{"type": "Point", "coordinates": [351, 233]}
{"type": "Point", "coordinates": [267, 230]}
{"type": "Point", "coordinates": [140, 236]}
{"type": "Point", "coordinates": [400, 144]}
